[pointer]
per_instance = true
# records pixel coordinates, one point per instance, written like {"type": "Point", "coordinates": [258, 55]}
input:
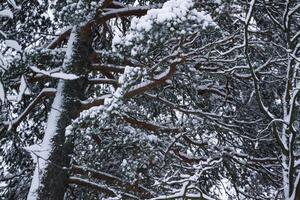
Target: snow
{"type": "Point", "coordinates": [171, 10]}
{"type": "Point", "coordinates": [60, 75]}
{"type": "Point", "coordinates": [6, 13]}
{"type": "Point", "coordinates": [70, 48]}
{"type": "Point", "coordinates": [162, 75]}
{"type": "Point", "coordinates": [64, 76]}
{"type": "Point", "coordinates": [124, 163]}
{"type": "Point", "coordinates": [42, 151]}
{"type": "Point", "coordinates": [249, 14]}
{"type": "Point", "coordinates": [152, 138]}
{"type": "Point", "coordinates": [175, 17]}
{"type": "Point", "coordinates": [13, 3]}
{"type": "Point", "coordinates": [112, 102]}
{"type": "Point", "coordinates": [23, 89]}
{"type": "Point", "coordinates": [13, 44]}
{"type": "Point", "coordinates": [2, 92]}
{"type": "Point", "coordinates": [117, 39]}
{"type": "Point", "coordinates": [35, 152]}
{"type": "Point", "coordinates": [127, 71]}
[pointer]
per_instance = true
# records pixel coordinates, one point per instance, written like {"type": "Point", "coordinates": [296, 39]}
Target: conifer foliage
{"type": "Point", "coordinates": [164, 99]}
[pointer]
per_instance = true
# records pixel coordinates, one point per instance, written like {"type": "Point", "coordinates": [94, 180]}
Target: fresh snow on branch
{"type": "Point", "coordinates": [2, 92]}
{"type": "Point", "coordinates": [13, 44]}
{"type": "Point", "coordinates": [175, 17]}
{"type": "Point", "coordinates": [23, 89]}
{"type": "Point", "coordinates": [55, 74]}
{"type": "Point", "coordinates": [6, 13]}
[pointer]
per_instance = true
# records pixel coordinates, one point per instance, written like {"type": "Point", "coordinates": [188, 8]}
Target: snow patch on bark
{"type": "Point", "coordinates": [42, 152]}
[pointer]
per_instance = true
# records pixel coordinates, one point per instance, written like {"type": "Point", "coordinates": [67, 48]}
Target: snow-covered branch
{"type": "Point", "coordinates": [46, 92]}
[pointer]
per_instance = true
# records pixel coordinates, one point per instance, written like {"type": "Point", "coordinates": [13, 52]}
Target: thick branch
{"type": "Point", "coordinates": [123, 12]}
{"type": "Point", "coordinates": [108, 67]}
{"type": "Point", "coordinates": [59, 39]}
{"type": "Point", "coordinates": [98, 187]}
{"type": "Point", "coordinates": [159, 80]}
{"type": "Point", "coordinates": [91, 185]}
{"type": "Point", "coordinates": [114, 180]}
{"type": "Point", "coordinates": [87, 104]}
{"type": "Point", "coordinates": [46, 92]}
{"type": "Point", "coordinates": [147, 125]}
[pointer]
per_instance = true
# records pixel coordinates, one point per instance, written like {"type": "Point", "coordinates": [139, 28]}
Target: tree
{"type": "Point", "coordinates": [169, 100]}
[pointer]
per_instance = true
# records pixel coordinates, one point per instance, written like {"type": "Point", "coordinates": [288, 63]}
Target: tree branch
{"type": "Point", "coordinates": [46, 92]}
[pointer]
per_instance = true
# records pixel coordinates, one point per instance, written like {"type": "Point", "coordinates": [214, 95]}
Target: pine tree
{"type": "Point", "coordinates": [149, 99]}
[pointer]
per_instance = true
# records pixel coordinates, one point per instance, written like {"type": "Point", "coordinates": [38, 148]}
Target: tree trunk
{"type": "Point", "coordinates": [49, 180]}
{"type": "Point", "coordinates": [54, 181]}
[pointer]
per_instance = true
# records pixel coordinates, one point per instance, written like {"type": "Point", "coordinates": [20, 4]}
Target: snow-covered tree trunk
{"type": "Point", "coordinates": [49, 179]}
{"type": "Point", "coordinates": [290, 173]}
{"type": "Point", "coordinates": [286, 133]}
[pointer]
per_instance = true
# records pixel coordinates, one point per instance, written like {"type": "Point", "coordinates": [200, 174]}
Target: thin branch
{"type": "Point", "coordinates": [98, 187]}
{"type": "Point", "coordinates": [114, 180]}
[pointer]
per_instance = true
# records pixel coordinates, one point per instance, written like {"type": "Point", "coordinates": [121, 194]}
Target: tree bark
{"type": "Point", "coordinates": [53, 179]}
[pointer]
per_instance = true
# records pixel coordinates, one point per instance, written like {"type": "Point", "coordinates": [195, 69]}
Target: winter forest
{"type": "Point", "coordinates": [149, 100]}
